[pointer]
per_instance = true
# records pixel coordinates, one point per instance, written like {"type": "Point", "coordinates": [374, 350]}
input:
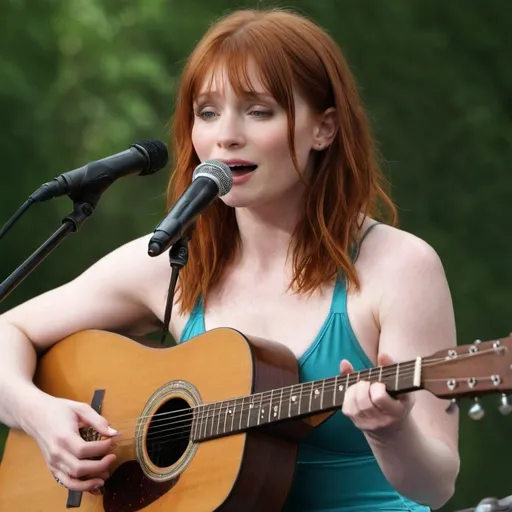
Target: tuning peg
{"type": "Point", "coordinates": [476, 411]}
{"type": "Point", "coordinates": [452, 407]}
{"type": "Point", "coordinates": [505, 408]}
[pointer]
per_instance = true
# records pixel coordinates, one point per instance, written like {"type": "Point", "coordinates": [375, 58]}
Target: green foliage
{"type": "Point", "coordinates": [82, 79]}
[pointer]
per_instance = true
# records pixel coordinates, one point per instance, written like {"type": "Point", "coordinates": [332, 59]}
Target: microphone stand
{"type": "Point", "coordinates": [83, 207]}
{"type": "Point", "coordinates": [178, 258]}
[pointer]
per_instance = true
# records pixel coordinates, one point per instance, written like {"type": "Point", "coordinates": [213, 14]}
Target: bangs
{"type": "Point", "coordinates": [233, 58]}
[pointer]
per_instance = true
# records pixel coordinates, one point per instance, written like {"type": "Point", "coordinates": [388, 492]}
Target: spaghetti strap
{"type": "Point", "coordinates": [360, 242]}
{"type": "Point", "coordinates": [339, 296]}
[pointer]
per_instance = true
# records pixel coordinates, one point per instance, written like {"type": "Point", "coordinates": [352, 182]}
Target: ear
{"type": "Point", "coordinates": [325, 129]}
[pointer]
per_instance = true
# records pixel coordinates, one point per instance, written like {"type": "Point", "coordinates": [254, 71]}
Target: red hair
{"type": "Point", "coordinates": [290, 52]}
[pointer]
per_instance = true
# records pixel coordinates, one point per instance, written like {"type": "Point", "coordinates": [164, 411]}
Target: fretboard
{"type": "Point", "coordinates": [239, 414]}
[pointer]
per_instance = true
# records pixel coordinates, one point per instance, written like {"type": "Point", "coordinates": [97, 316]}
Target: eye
{"type": "Point", "coordinates": [260, 113]}
{"type": "Point", "coordinates": [206, 115]}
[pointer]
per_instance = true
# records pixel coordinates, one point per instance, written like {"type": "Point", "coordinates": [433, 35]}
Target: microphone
{"type": "Point", "coordinates": [210, 180]}
{"type": "Point", "coordinates": [144, 157]}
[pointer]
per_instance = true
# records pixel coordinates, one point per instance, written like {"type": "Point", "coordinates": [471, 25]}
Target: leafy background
{"type": "Point", "coordinates": [83, 79]}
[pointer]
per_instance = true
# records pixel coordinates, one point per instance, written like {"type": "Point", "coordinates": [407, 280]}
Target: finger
{"type": "Point", "coordinates": [77, 468]}
{"type": "Point", "coordinates": [384, 359]}
{"type": "Point", "coordinates": [105, 475]}
{"type": "Point", "coordinates": [349, 407]}
{"type": "Point", "coordinates": [346, 367]}
{"type": "Point", "coordinates": [382, 401]}
{"type": "Point", "coordinates": [87, 449]}
{"type": "Point", "coordinates": [407, 400]}
{"type": "Point", "coordinates": [73, 484]}
{"type": "Point", "coordinates": [362, 397]}
{"type": "Point", "coordinates": [88, 415]}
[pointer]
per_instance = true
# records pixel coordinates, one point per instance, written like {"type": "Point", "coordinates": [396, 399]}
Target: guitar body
{"type": "Point", "coordinates": [250, 471]}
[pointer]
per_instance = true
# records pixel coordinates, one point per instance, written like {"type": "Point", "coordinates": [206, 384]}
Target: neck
{"type": "Point", "coordinates": [236, 415]}
{"type": "Point", "coordinates": [266, 232]}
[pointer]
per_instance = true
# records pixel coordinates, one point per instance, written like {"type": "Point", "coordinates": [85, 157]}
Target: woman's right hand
{"type": "Point", "coordinates": [54, 423]}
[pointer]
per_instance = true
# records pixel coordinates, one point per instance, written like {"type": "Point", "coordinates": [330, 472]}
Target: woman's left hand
{"type": "Point", "coordinates": [370, 407]}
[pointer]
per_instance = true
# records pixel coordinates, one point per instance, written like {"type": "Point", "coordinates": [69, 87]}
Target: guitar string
{"type": "Point", "coordinates": [201, 423]}
{"type": "Point", "coordinates": [172, 439]}
{"type": "Point", "coordinates": [203, 420]}
{"type": "Point", "coordinates": [266, 395]}
{"type": "Point", "coordinates": [244, 405]}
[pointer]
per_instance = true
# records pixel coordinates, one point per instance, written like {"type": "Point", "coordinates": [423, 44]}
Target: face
{"type": "Point", "coordinates": [250, 135]}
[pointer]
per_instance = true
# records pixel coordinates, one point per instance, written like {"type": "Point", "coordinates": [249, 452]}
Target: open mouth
{"type": "Point", "coordinates": [239, 169]}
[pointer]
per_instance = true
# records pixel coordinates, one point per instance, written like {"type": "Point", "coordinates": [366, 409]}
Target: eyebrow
{"type": "Point", "coordinates": [247, 94]}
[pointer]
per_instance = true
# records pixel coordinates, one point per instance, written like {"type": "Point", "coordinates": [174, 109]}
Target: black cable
{"type": "Point", "coordinates": [10, 223]}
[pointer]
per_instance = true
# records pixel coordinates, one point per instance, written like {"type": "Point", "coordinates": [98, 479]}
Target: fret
{"type": "Point", "coordinates": [226, 414]}
{"type": "Point", "coordinates": [213, 414]}
{"type": "Point", "coordinates": [260, 409]}
{"type": "Point", "coordinates": [339, 388]}
{"type": "Point", "coordinates": [380, 373]}
{"type": "Point", "coordinates": [322, 394]}
{"type": "Point", "coordinates": [219, 416]}
{"type": "Point", "coordinates": [211, 418]}
{"type": "Point", "coordinates": [370, 374]}
{"type": "Point", "coordinates": [204, 420]}
{"type": "Point", "coordinates": [335, 390]}
{"type": "Point", "coordinates": [281, 403]}
{"type": "Point", "coordinates": [316, 395]}
{"type": "Point", "coordinates": [310, 395]}
{"type": "Point", "coordinates": [232, 413]}
{"type": "Point", "coordinates": [290, 389]}
{"type": "Point", "coordinates": [397, 374]}
{"type": "Point", "coordinates": [275, 410]}
{"type": "Point", "coordinates": [249, 410]}
{"type": "Point", "coordinates": [199, 410]}
{"type": "Point", "coordinates": [299, 411]}
{"type": "Point", "coordinates": [295, 401]}
{"type": "Point", "coordinates": [330, 390]}
{"type": "Point", "coordinates": [249, 405]}
{"type": "Point", "coordinates": [241, 414]}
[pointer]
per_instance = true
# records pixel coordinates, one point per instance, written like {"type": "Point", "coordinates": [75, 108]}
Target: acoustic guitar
{"type": "Point", "coordinates": [212, 424]}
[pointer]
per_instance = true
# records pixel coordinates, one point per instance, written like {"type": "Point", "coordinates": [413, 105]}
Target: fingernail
{"type": "Point", "coordinates": [112, 432]}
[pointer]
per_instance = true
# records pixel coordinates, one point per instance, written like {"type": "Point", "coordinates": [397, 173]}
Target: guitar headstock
{"type": "Point", "coordinates": [471, 371]}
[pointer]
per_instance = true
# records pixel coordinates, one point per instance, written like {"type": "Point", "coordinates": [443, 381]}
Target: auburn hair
{"type": "Point", "coordinates": [289, 51]}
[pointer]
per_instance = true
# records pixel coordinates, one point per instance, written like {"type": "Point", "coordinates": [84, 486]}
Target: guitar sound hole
{"type": "Point", "coordinates": [169, 432]}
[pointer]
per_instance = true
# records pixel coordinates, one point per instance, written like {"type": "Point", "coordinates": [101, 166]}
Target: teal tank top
{"type": "Point", "coordinates": [336, 470]}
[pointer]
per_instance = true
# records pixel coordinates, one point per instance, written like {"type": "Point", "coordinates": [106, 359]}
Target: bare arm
{"type": "Point", "coordinates": [420, 457]}
{"type": "Point", "coordinates": [114, 294]}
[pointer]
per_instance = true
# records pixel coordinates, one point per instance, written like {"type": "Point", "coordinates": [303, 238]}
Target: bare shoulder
{"type": "Point", "coordinates": [409, 292]}
{"type": "Point", "coordinates": [390, 253]}
{"type": "Point", "coordinates": [132, 261]}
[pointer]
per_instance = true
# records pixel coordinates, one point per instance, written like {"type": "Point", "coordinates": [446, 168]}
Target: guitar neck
{"type": "Point", "coordinates": [300, 400]}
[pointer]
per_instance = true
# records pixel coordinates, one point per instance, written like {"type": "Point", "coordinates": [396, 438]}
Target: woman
{"type": "Point", "coordinates": [280, 257]}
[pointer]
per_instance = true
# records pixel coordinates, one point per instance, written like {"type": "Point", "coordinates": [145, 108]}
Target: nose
{"type": "Point", "coordinates": [230, 131]}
